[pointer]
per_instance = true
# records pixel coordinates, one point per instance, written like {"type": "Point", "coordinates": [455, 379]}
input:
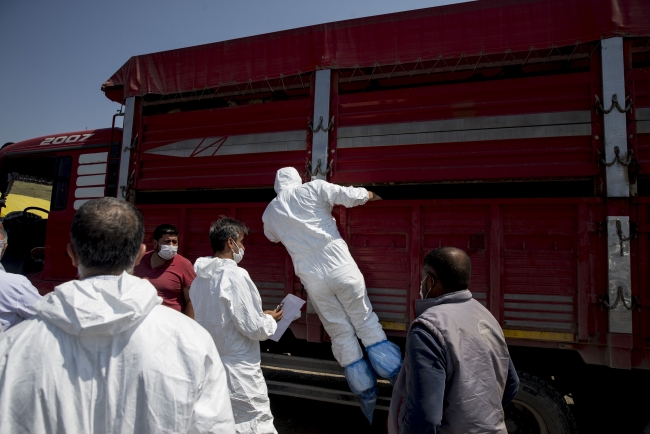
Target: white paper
{"type": "Point", "coordinates": [291, 312]}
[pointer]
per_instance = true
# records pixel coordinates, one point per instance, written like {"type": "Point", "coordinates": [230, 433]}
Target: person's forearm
{"type": "Point", "coordinates": [189, 310]}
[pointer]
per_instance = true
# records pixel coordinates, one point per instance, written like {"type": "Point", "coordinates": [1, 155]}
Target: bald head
{"type": "Point", "coordinates": [452, 267]}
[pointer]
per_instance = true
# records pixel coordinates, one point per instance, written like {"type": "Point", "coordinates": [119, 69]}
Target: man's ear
{"type": "Point", "coordinates": [143, 250]}
{"type": "Point", "coordinates": [73, 256]}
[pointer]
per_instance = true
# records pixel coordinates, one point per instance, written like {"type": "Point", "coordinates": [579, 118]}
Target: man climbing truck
{"type": "Point", "coordinates": [301, 218]}
{"type": "Point", "coordinates": [518, 132]}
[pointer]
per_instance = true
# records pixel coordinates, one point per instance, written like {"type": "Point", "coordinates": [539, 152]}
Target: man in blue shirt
{"type": "Point", "coordinates": [457, 375]}
{"type": "Point", "coordinates": [17, 294]}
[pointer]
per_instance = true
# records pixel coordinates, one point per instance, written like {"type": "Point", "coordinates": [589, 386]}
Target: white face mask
{"type": "Point", "coordinates": [167, 252]}
{"type": "Point", "coordinates": [237, 257]}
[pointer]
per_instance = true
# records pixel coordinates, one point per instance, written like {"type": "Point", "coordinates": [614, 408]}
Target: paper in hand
{"type": "Point", "coordinates": [291, 311]}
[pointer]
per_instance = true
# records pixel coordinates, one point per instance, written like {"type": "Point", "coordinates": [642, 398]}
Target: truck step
{"type": "Point", "coordinates": [301, 363]}
{"type": "Point", "coordinates": [319, 380]}
{"type": "Point", "coordinates": [321, 394]}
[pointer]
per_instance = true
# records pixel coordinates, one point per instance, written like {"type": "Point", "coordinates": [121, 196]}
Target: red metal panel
{"type": "Point", "coordinates": [226, 121]}
{"type": "Point", "coordinates": [546, 94]}
{"type": "Point", "coordinates": [551, 158]}
{"type": "Point", "coordinates": [583, 276]}
{"type": "Point", "coordinates": [640, 269]}
{"type": "Point", "coordinates": [466, 227]}
{"type": "Point", "coordinates": [496, 258]}
{"type": "Point", "coordinates": [379, 241]}
{"type": "Point", "coordinates": [539, 266]}
{"type": "Point", "coordinates": [641, 77]}
{"type": "Point", "coordinates": [416, 256]}
{"type": "Point", "coordinates": [641, 85]}
{"type": "Point", "coordinates": [541, 158]}
{"type": "Point", "coordinates": [475, 27]}
{"type": "Point", "coordinates": [165, 172]}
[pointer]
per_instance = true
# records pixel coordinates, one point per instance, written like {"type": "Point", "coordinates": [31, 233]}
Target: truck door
{"type": "Point", "coordinates": [80, 176]}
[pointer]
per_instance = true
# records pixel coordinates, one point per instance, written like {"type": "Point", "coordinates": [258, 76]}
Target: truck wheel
{"type": "Point", "coordinates": [538, 409]}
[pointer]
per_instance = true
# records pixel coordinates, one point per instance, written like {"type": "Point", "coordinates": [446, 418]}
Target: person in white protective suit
{"type": "Point", "coordinates": [301, 218]}
{"type": "Point", "coordinates": [228, 305]}
{"type": "Point", "coordinates": [102, 355]}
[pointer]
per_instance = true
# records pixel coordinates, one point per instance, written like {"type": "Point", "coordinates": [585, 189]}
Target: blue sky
{"type": "Point", "coordinates": [54, 55]}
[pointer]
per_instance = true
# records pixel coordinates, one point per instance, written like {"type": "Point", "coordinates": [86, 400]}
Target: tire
{"type": "Point", "coordinates": [538, 409]}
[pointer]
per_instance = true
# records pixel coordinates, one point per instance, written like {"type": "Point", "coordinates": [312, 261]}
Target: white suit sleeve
{"type": "Point", "coordinates": [212, 410]}
{"type": "Point", "coordinates": [246, 317]}
{"type": "Point", "coordinates": [270, 234]}
{"type": "Point", "coordinates": [347, 196]}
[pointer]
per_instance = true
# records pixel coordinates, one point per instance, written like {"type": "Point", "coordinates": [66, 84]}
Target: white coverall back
{"type": "Point", "coordinates": [102, 356]}
{"type": "Point", "coordinates": [301, 218]}
{"type": "Point", "coordinates": [228, 305]}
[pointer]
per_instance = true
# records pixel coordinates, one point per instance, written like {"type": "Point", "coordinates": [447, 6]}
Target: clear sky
{"type": "Point", "coordinates": [55, 55]}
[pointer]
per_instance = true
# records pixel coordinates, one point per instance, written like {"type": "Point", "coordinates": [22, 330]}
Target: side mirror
{"type": "Point", "coordinates": [38, 254]}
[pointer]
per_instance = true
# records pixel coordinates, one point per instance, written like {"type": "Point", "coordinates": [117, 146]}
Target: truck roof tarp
{"type": "Point", "coordinates": [483, 26]}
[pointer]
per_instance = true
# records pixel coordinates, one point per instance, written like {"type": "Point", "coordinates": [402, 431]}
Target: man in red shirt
{"type": "Point", "coordinates": [170, 273]}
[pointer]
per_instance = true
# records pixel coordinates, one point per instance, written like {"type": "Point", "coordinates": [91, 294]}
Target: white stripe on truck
{"type": "Point", "coordinates": [560, 124]}
{"type": "Point", "coordinates": [235, 145]}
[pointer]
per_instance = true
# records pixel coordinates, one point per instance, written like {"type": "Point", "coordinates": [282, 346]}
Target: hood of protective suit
{"type": "Point", "coordinates": [95, 307]}
{"type": "Point", "coordinates": [287, 177]}
{"type": "Point", "coordinates": [207, 267]}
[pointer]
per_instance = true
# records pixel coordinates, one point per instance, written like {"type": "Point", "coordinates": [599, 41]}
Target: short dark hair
{"type": "Point", "coordinates": [106, 235]}
{"type": "Point", "coordinates": [452, 266]}
{"type": "Point", "coordinates": [163, 230]}
{"type": "Point", "coordinates": [224, 228]}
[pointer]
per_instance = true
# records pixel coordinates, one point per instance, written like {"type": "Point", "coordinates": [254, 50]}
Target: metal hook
{"type": "Point", "coordinates": [621, 238]}
{"type": "Point", "coordinates": [599, 106]}
{"type": "Point", "coordinates": [629, 159]}
{"type": "Point", "coordinates": [318, 170]}
{"type": "Point", "coordinates": [604, 299]}
{"type": "Point", "coordinates": [320, 126]}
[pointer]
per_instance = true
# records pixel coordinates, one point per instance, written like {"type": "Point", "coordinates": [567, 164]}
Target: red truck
{"type": "Point", "coordinates": [518, 131]}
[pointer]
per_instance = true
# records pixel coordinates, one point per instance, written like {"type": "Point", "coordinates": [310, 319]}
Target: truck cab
{"type": "Point", "coordinates": [43, 181]}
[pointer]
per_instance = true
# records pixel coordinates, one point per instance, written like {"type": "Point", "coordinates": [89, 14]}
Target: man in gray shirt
{"type": "Point", "coordinates": [457, 375]}
{"type": "Point", "coordinates": [17, 294]}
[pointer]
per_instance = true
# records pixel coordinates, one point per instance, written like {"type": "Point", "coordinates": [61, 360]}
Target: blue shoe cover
{"type": "Point", "coordinates": [363, 383]}
{"type": "Point", "coordinates": [386, 359]}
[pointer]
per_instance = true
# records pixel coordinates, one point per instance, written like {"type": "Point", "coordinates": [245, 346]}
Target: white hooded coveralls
{"type": "Point", "coordinates": [301, 218]}
{"type": "Point", "coordinates": [102, 356]}
{"type": "Point", "coordinates": [228, 305]}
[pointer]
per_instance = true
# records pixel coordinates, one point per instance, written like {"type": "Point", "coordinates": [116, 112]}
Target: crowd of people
{"type": "Point", "coordinates": [147, 342]}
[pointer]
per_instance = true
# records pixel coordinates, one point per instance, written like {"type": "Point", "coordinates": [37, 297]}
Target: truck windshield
{"type": "Point", "coordinates": [26, 195]}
